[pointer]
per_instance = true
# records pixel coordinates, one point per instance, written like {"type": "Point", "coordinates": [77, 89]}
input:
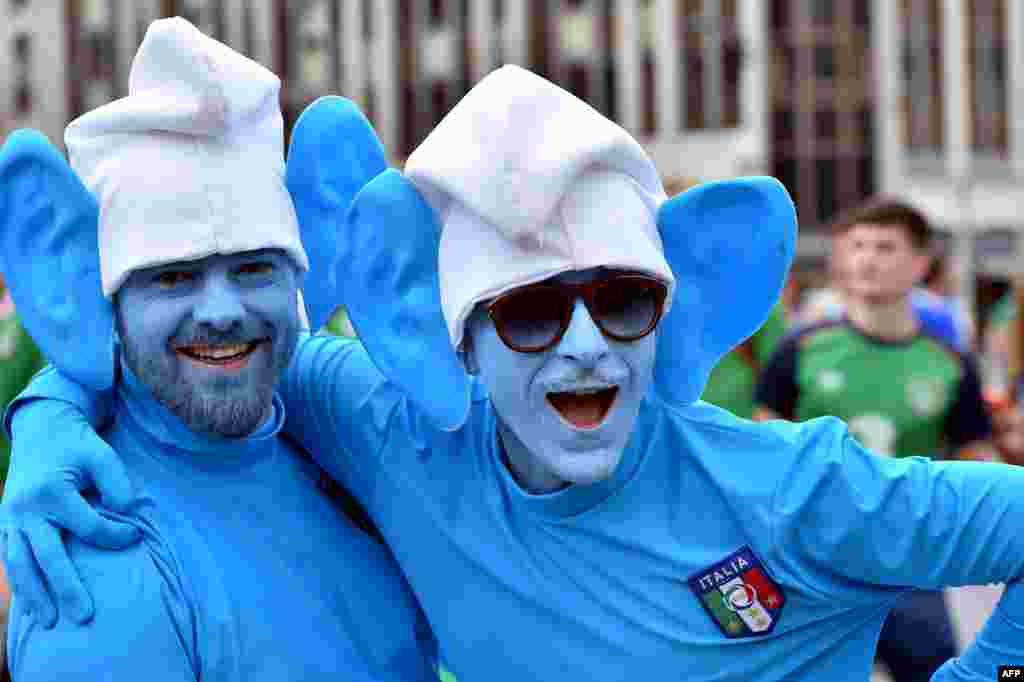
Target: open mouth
{"type": "Point", "coordinates": [585, 408]}
{"type": "Point", "coordinates": [232, 356]}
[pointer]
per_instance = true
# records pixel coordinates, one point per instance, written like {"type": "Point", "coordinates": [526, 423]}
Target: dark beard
{"type": "Point", "coordinates": [220, 416]}
{"type": "Point", "coordinates": [217, 416]}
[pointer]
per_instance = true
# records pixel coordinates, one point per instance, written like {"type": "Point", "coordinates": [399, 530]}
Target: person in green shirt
{"type": "Point", "coordinates": [20, 359]}
{"type": "Point", "coordinates": [732, 381]}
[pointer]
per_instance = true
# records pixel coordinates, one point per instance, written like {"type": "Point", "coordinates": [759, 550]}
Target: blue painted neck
{"type": "Point", "coordinates": [576, 499]}
{"type": "Point", "coordinates": [150, 418]}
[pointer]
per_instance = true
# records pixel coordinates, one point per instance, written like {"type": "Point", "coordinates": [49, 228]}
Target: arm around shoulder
{"type": "Point", "coordinates": [142, 627]}
{"type": "Point", "coordinates": [51, 385]}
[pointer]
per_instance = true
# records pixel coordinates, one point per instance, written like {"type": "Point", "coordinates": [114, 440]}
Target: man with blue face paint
{"type": "Point", "coordinates": [210, 337]}
{"type": "Point", "coordinates": [247, 569]}
{"type": "Point", "coordinates": [571, 512]}
{"type": "Point", "coordinates": [567, 410]}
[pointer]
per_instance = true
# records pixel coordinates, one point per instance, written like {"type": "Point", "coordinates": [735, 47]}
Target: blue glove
{"type": "Point", "coordinates": [730, 244]}
{"type": "Point", "coordinates": [333, 153]}
{"type": "Point", "coordinates": [1000, 642]}
{"type": "Point", "coordinates": [55, 457]}
{"type": "Point", "coordinates": [49, 254]}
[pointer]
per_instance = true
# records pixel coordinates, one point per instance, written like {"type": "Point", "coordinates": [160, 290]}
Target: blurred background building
{"type": "Point", "coordinates": [920, 98]}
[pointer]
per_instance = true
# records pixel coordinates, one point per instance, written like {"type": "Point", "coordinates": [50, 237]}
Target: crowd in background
{"type": "Point", "coordinates": [762, 377]}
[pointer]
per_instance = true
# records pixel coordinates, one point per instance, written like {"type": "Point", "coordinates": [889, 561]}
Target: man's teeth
{"type": "Point", "coordinates": [218, 352]}
{"type": "Point", "coordinates": [588, 391]}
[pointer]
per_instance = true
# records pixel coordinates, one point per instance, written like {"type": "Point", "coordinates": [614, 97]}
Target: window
{"type": "Point", "coordinates": [610, 83]}
{"type": "Point", "coordinates": [100, 48]}
{"type": "Point", "coordinates": [732, 59]}
{"type": "Point", "coordinates": [783, 123]}
{"type": "Point", "coordinates": [22, 49]}
{"type": "Point", "coordinates": [866, 176]}
{"type": "Point", "coordinates": [649, 122]}
{"type": "Point", "coordinates": [987, 84]}
{"type": "Point", "coordinates": [711, 63]}
{"type": "Point", "coordinates": [367, 7]}
{"type": "Point", "coordinates": [779, 18]}
{"type": "Point", "coordinates": [694, 104]}
{"type": "Point", "coordinates": [824, 61]}
{"type": "Point", "coordinates": [822, 13]}
{"type": "Point", "coordinates": [436, 12]}
{"type": "Point", "coordinates": [826, 181]}
{"type": "Point", "coordinates": [313, 65]}
{"type": "Point", "coordinates": [438, 101]}
{"type": "Point", "coordinates": [785, 170]}
{"type": "Point", "coordinates": [23, 99]}
{"type": "Point", "coordinates": [922, 99]}
{"type": "Point", "coordinates": [866, 128]}
{"type": "Point", "coordinates": [783, 64]}
{"type": "Point", "coordinates": [22, 94]}
{"type": "Point", "coordinates": [862, 15]}
{"type": "Point", "coordinates": [218, 22]}
{"type": "Point", "coordinates": [825, 124]}
{"type": "Point", "coordinates": [577, 82]}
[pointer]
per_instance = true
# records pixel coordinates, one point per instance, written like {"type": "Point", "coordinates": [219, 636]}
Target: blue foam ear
{"type": "Point", "coordinates": [730, 244]}
{"type": "Point", "coordinates": [334, 151]}
{"type": "Point", "coordinates": [387, 268]}
{"type": "Point", "coordinates": [49, 253]}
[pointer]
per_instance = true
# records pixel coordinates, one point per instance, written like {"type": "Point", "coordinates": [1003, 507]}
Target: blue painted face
{"type": "Point", "coordinates": [210, 337]}
{"type": "Point", "coordinates": [554, 428]}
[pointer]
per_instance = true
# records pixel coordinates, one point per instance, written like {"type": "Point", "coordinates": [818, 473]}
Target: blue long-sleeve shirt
{"type": "Point", "coordinates": [622, 579]}
{"type": "Point", "coordinates": [720, 549]}
{"type": "Point", "coordinates": [247, 571]}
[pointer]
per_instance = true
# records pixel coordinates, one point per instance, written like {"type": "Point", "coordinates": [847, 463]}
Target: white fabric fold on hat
{"type": "Point", "coordinates": [529, 181]}
{"type": "Point", "coordinates": [191, 162]}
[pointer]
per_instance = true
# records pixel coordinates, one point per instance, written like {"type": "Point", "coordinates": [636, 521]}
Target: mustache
{"type": "Point", "coordinates": [215, 338]}
{"type": "Point", "coordinates": [577, 381]}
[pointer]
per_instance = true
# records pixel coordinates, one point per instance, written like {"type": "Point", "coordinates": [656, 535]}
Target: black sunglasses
{"type": "Point", "coordinates": [534, 318]}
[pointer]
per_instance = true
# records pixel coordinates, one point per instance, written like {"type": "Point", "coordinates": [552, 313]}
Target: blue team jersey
{"type": "Point", "coordinates": [247, 571]}
{"type": "Point", "coordinates": [720, 549]}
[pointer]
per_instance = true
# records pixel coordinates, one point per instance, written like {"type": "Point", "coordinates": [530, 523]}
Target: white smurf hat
{"type": "Point", "coordinates": [191, 162]}
{"type": "Point", "coordinates": [529, 181]}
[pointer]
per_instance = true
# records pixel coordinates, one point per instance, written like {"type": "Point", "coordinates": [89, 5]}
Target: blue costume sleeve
{"type": "Point", "coordinates": [142, 628]}
{"type": "Point", "coordinates": [990, 649]}
{"type": "Point", "coordinates": [338, 404]}
{"type": "Point", "coordinates": [51, 383]}
{"type": "Point", "coordinates": [841, 510]}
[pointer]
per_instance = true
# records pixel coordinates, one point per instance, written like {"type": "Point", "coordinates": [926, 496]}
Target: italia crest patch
{"type": "Point", "coordinates": [739, 595]}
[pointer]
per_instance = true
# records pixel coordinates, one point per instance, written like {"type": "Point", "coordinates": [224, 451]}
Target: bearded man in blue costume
{"type": "Point", "coordinates": [247, 569]}
{"type": "Point", "coordinates": [567, 509]}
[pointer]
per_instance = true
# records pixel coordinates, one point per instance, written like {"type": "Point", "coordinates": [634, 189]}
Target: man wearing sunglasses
{"type": "Point", "coordinates": [570, 511]}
